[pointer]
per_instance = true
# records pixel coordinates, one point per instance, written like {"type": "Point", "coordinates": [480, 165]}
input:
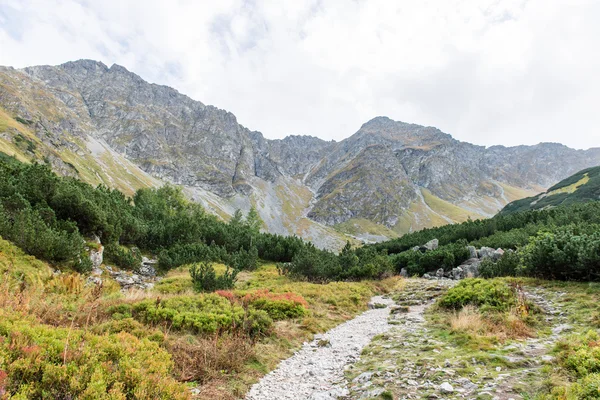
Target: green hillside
{"type": "Point", "coordinates": [581, 187]}
{"type": "Point", "coordinates": [60, 317]}
{"type": "Point", "coordinates": [232, 302]}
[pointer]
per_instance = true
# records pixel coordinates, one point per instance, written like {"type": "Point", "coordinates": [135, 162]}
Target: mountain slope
{"type": "Point", "coordinates": [581, 187]}
{"type": "Point", "coordinates": [107, 125]}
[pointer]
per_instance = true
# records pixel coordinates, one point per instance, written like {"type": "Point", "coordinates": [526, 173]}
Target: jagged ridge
{"type": "Point", "coordinates": [402, 175]}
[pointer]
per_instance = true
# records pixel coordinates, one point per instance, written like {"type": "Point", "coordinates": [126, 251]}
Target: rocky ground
{"type": "Point", "coordinates": [414, 361]}
{"type": "Point", "coordinates": [397, 352]}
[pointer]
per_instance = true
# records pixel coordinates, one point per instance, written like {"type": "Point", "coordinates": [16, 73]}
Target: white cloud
{"type": "Point", "coordinates": [486, 71]}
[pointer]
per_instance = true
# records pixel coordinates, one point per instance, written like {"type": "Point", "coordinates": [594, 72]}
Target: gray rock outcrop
{"type": "Point", "coordinates": [96, 253]}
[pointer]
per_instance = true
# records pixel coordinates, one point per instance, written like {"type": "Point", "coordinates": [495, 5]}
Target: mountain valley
{"type": "Point", "coordinates": [108, 126]}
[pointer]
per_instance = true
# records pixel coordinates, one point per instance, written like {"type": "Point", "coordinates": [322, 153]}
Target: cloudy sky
{"type": "Point", "coordinates": [486, 71]}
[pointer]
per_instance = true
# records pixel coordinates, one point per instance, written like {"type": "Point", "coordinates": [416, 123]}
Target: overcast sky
{"type": "Point", "coordinates": [486, 71]}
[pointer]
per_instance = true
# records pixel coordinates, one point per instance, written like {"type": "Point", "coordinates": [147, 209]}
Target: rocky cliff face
{"type": "Point", "coordinates": [107, 125]}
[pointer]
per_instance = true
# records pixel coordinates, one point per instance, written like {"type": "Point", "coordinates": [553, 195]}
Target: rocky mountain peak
{"type": "Point", "coordinates": [389, 173]}
{"type": "Point", "coordinates": [384, 129]}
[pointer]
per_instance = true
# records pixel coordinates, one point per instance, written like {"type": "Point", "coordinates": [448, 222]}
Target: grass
{"type": "Point", "coordinates": [417, 217]}
{"type": "Point", "coordinates": [64, 312]}
{"type": "Point", "coordinates": [328, 306]}
{"type": "Point", "coordinates": [574, 374]}
{"type": "Point", "coordinates": [53, 325]}
{"type": "Point", "coordinates": [581, 187]}
{"type": "Point", "coordinates": [480, 313]}
{"type": "Point", "coordinates": [513, 193]}
{"type": "Point", "coordinates": [470, 341]}
{"type": "Point", "coordinates": [446, 208]}
{"type": "Point", "coordinates": [471, 322]}
{"type": "Point", "coordinates": [572, 187]}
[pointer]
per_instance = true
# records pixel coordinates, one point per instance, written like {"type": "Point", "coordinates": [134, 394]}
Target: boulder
{"type": "Point", "coordinates": [472, 251]}
{"type": "Point", "coordinates": [457, 273]}
{"type": "Point", "coordinates": [124, 280]}
{"type": "Point", "coordinates": [432, 244]}
{"type": "Point", "coordinates": [497, 254]}
{"type": "Point", "coordinates": [148, 267]}
{"type": "Point", "coordinates": [147, 270]}
{"type": "Point", "coordinates": [485, 252]}
{"type": "Point", "coordinates": [363, 378]}
{"type": "Point", "coordinates": [416, 248]}
{"type": "Point", "coordinates": [446, 388]}
{"type": "Point", "coordinates": [149, 261]}
{"type": "Point", "coordinates": [470, 268]}
{"type": "Point", "coordinates": [439, 273]}
{"type": "Point", "coordinates": [404, 273]}
{"type": "Point", "coordinates": [96, 255]}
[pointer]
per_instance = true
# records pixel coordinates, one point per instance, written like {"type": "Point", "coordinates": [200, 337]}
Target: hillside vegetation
{"type": "Point", "coordinates": [581, 187]}
{"type": "Point", "coordinates": [61, 337]}
{"type": "Point", "coordinates": [554, 243]}
{"type": "Point", "coordinates": [233, 301]}
{"type": "Point", "coordinates": [51, 217]}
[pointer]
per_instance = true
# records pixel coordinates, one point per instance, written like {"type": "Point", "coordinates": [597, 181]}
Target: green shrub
{"type": "Point", "coordinates": [586, 388]}
{"type": "Point", "coordinates": [205, 279]}
{"type": "Point", "coordinates": [313, 264]}
{"type": "Point", "coordinates": [201, 314]}
{"type": "Point", "coordinates": [512, 239]}
{"type": "Point", "coordinates": [279, 309]}
{"type": "Point", "coordinates": [244, 260]}
{"type": "Point", "coordinates": [174, 285]}
{"type": "Point", "coordinates": [58, 363]}
{"type": "Point", "coordinates": [182, 254]}
{"type": "Point", "coordinates": [507, 265]}
{"type": "Point", "coordinates": [45, 239]}
{"type": "Point", "coordinates": [579, 355]}
{"type": "Point", "coordinates": [493, 294]}
{"type": "Point", "coordinates": [317, 265]}
{"type": "Point", "coordinates": [257, 322]}
{"type": "Point", "coordinates": [446, 257]}
{"type": "Point", "coordinates": [128, 325]}
{"type": "Point", "coordinates": [120, 311]}
{"type": "Point", "coordinates": [567, 253]}
{"type": "Point", "coordinates": [122, 256]}
{"type": "Point", "coordinates": [471, 231]}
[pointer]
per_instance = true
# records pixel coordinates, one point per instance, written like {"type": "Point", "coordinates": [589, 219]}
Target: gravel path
{"type": "Point", "coordinates": [316, 371]}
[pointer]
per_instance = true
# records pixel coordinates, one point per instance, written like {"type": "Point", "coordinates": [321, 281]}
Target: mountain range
{"type": "Point", "coordinates": [106, 125]}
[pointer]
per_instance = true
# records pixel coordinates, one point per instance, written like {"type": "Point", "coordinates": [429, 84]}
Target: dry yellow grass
{"type": "Point", "coordinates": [469, 320]}
{"type": "Point", "coordinates": [573, 187]}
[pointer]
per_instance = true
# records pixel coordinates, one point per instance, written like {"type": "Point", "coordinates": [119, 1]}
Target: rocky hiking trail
{"type": "Point", "coordinates": [413, 361]}
{"type": "Point", "coordinates": [395, 352]}
{"type": "Point", "coordinates": [317, 370]}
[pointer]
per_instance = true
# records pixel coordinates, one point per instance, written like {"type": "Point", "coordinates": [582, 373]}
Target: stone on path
{"type": "Point", "coordinates": [446, 388]}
